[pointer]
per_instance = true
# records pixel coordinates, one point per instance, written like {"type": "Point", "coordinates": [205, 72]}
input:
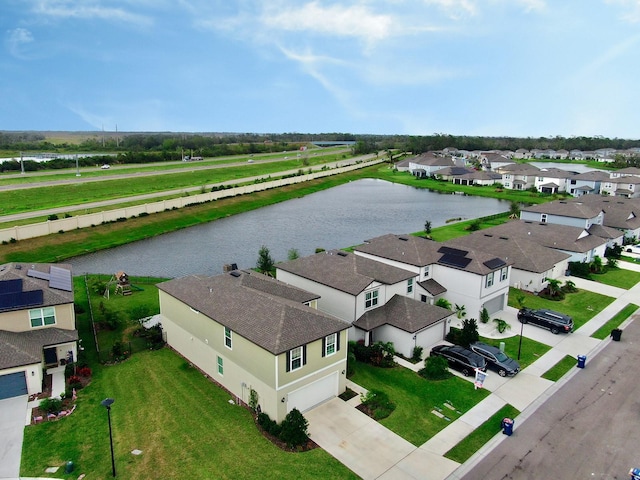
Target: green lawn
{"type": "Point", "coordinates": [615, 321]}
{"type": "Point", "coordinates": [558, 371]}
{"type": "Point", "coordinates": [529, 352]}
{"type": "Point", "coordinates": [415, 398]}
{"type": "Point", "coordinates": [618, 277]}
{"type": "Point", "coordinates": [182, 422]}
{"type": "Point", "coordinates": [582, 305]}
{"type": "Point", "coordinates": [481, 435]}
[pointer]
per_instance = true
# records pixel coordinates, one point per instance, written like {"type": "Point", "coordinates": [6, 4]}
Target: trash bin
{"type": "Point", "coordinates": [68, 468]}
{"type": "Point", "coordinates": [635, 473]}
{"type": "Point", "coordinates": [507, 426]}
{"type": "Point", "coordinates": [582, 360]}
{"type": "Point", "coordinates": [616, 334]}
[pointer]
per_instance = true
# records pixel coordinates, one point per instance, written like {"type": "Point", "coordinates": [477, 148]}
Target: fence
{"type": "Point", "coordinates": [40, 229]}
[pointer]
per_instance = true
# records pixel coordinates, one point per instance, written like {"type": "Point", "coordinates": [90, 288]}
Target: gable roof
{"type": "Point", "coordinates": [264, 314]}
{"type": "Point", "coordinates": [344, 271]}
{"type": "Point", "coordinates": [555, 173]}
{"type": "Point", "coordinates": [431, 159]}
{"type": "Point", "coordinates": [592, 175]}
{"type": "Point", "coordinates": [432, 287]}
{"type": "Point", "coordinates": [24, 348]}
{"type": "Point", "coordinates": [561, 237]}
{"type": "Point", "coordinates": [619, 212]}
{"type": "Point", "coordinates": [404, 313]}
{"type": "Point", "coordinates": [17, 280]}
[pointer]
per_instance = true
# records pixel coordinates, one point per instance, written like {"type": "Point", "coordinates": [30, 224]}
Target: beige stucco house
{"type": "Point", "coordinates": [250, 332]}
{"type": "Point", "coordinates": [37, 325]}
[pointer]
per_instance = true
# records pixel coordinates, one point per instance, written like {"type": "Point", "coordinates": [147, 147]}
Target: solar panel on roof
{"type": "Point", "coordinates": [21, 299]}
{"type": "Point", "coordinates": [60, 278]}
{"type": "Point", "coordinates": [11, 286]}
{"type": "Point", "coordinates": [454, 260]}
{"type": "Point", "coordinates": [452, 251]}
{"type": "Point", "coordinates": [38, 274]}
{"type": "Point", "coordinates": [494, 263]}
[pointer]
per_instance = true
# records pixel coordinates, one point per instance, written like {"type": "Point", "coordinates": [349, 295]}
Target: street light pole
{"type": "Point", "coordinates": [520, 345]}
{"type": "Point", "coordinates": [107, 402]}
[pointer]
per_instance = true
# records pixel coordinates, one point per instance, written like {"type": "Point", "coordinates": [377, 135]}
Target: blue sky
{"type": "Point", "coordinates": [464, 67]}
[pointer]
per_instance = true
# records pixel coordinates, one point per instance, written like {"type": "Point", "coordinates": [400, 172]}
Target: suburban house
{"type": "Point", "coordinates": [426, 164]}
{"type": "Point", "coordinates": [466, 277]}
{"type": "Point", "coordinates": [518, 176]}
{"type": "Point", "coordinates": [574, 213]}
{"type": "Point", "coordinates": [620, 213]}
{"type": "Point", "coordinates": [252, 333]}
{"type": "Point", "coordinates": [576, 241]}
{"type": "Point", "coordinates": [37, 325]}
{"type": "Point", "coordinates": [552, 180]}
{"type": "Point", "coordinates": [532, 264]}
{"type": "Point", "coordinates": [377, 299]}
{"type": "Point", "coordinates": [587, 183]}
{"type": "Point", "coordinates": [627, 186]}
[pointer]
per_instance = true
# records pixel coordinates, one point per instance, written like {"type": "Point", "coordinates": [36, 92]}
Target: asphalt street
{"type": "Point", "coordinates": [589, 429]}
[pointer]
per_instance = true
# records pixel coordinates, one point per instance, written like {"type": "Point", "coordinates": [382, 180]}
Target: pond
{"type": "Point", "coordinates": [340, 217]}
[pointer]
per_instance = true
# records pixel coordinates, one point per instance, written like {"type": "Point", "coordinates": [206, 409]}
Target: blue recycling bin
{"type": "Point", "coordinates": [582, 360]}
{"type": "Point", "coordinates": [635, 473]}
{"type": "Point", "coordinates": [507, 426]}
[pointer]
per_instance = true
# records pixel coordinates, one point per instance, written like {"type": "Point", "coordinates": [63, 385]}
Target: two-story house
{"type": "Point", "coordinates": [252, 333]}
{"type": "Point", "coordinates": [627, 186]}
{"type": "Point", "coordinates": [518, 176]}
{"type": "Point", "coordinates": [377, 299]}
{"type": "Point", "coordinates": [622, 214]}
{"type": "Point", "coordinates": [427, 164]}
{"type": "Point", "coordinates": [37, 325]}
{"type": "Point", "coordinates": [552, 180]}
{"type": "Point", "coordinates": [587, 183]}
{"type": "Point", "coordinates": [466, 277]}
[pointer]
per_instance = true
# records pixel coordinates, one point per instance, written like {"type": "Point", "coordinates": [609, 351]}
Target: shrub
{"type": "Point", "coordinates": [294, 429]}
{"type": "Point", "coordinates": [52, 217]}
{"type": "Point", "coordinates": [435, 368]}
{"type": "Point", "coordinates": [484, 315]}
{"type": "Point", "coordinates": [378, 404]}
{"type": "Point", "coordinates": [84, 372]}
{"type": "Point", "coordinates": [416, 355]}
{"type": "Point", "coordinates": [469, 332]}
{"type": "Point", "coordinates": [51, 405]}
{"type": "Point", "coordinates": [454, 335]}
{"type": "Point", "coordinates": [502, 325]}
{"type": "Point", "coordinates": [580, 269]}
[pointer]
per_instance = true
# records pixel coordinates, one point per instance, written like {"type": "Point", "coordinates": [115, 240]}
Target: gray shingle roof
{"type": "Point", "coordinates": [619, 212]}
{"type": "Point", "coordinates": [24, 348]}
{"type": "Point", "coordinates": [433, 287]}
{"type": "Point", "coordinates": [344, 271]}
{"type": "Point", "coordinates": [564, 208]}
{"type": "Point", "coordinates": [51, 296]}
{"type": "Point", "coordinates": [403, 313]}
{"type": "Point", "coordinates": [267, 315]}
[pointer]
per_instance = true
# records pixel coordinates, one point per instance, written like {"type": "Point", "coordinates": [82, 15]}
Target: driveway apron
{"type": "Point", "coordinates": [12, 417]}
{"type": "Point", "coordinates": [356, 440]}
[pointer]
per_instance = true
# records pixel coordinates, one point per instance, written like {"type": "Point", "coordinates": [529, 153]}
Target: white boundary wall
{"type": "Point", "coordinates": [40, 229]}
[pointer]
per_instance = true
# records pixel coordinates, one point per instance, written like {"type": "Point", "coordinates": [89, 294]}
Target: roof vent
{"type": "Point", "coordinates": [342, 254]}
{"type": "Point", "coordinates": [235, 273]}
{"type": "Point", "coordinates": [404, 239]}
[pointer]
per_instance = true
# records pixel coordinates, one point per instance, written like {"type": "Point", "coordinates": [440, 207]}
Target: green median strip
{"type": "Point", "coordinates": [481, 435]}
{"type": "Point", "coordinates": [556, 372]}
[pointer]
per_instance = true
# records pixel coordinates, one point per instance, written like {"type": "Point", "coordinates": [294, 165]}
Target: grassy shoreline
{"type": "Point", "coordinates": [79, 242]}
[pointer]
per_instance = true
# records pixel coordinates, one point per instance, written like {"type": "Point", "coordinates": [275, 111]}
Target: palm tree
{"type": "Point", "coordinates": [460, 311]}
{"type": "Point", "coordinates": [554, 287]}
{"type": "Point", "coordinates": [444, 303]}
{"type": "Point", "coordinates": [514, 211]}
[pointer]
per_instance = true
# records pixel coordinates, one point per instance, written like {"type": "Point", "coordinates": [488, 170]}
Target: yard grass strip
{"type": "Point", "coordinates": [605, 330]}
{"type": "Point", "coordinates": [530, 351]}
{"type": "Point", "coordinates": [558, 371]}
{"type": "Point", "coordinates": [481, 435]}
{"type": "Point", "coordinates": [617, 277]}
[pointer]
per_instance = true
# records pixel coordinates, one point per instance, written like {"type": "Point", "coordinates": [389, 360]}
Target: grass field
{"type": "Point", "coordinates": [559, 370]}
{"type": "Point", "coordinates": [615, 321]}
{"type": "Point", "coordinates": [617, 277]}
{"type": "Point", "coordinates": [530, 351]}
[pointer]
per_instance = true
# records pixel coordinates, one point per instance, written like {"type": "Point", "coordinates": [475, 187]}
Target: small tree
{"type": "Point", "coordinates": [469, 332]}
{"type": "Point", "coordinates": [293, 254]}
{"type": "Point", "coordinates": [514, 211]}
{"type": "Point", "coordinates": [294, 429]}
{"type": "Point", "coordinates": [502, 325]}
{"type": "Point", "coordinates": [444, 303]}
{"type": "Point", "coordinates": [435, 368]}
{"type": "Point", "coordinates": [484, 315]}
{"type": "Point", "coordinates": [554, 287]}
{"type": "Point", "coordinates": [460, 311]}
{"type": "Point", "coordinates": [612, 262]}
{"type": "Point", "coordinates": [596, 264]}
{"type": "Point", "coordinates": [521, 300]}
{"type": "Point", "coordinates": [427, 227]}
{"type": "Point", "coordinates": [265, 263]}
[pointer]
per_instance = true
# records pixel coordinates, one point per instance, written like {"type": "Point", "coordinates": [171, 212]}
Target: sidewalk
{"type": "Point", "coordinates": [526, 391]}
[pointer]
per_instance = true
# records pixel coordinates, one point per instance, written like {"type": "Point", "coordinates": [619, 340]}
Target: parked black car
{"type": "Point", "coordinates": [555, 321]}
{"type": "Point", "coordinates": [496, 359]}
{"type": "Point", "coordinates": [460, 358]}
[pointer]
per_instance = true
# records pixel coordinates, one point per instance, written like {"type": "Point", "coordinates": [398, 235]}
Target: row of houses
{"type": "Point", "coordinates": [601, 154]}
{"type": "Point", "coordinates": [285, 339]}
{"type": "Point", "coordinates": [498, 169]}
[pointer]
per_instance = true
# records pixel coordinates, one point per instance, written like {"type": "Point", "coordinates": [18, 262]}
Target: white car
{"type": "Point", "coordinates": [106, 166]}
{"type": "Point", "coordinates": [632, 249]}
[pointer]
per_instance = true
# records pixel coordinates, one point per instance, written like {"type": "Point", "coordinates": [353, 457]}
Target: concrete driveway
{"type": "Point", "coordinates": [369, 449]}
{"type": "Point", "coordinates": [13, 413]}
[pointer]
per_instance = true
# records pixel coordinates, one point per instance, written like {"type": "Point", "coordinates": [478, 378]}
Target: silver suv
{"type": "Point", "coordinates": [555, 321]}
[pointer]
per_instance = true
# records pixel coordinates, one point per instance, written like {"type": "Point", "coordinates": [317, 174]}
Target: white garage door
{"type": "Point", "coordinates": [495, 305]}
{"type": "Point", "coordinates": [311, 395]}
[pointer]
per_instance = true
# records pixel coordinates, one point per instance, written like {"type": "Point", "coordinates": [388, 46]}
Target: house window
{"type": "Point", "coordinates": [227, 337]}
{"type": "Point", "coordinates": [220, 366]}
{"type": "Point", "coordinates": [41, 317]}
{"type": "Point", "coordinates": [423, 298]}
{"type": "Point", "coordinates": [410, 285]}
{"type": "Point", "coordinates": [296, 358]}
{"type": "Point", "coordinates": [541, 179]}
{"type": "Point", "coordinates": [330, 344]}
{"type": "Point", "coordinates": [371, 299]}
{"type": "Point", "coordinates": [543, 218]}
{"type": "Point", "coordinates": [426, 271]}
{"type": "Point", "coordinates": [503, 274]}
{"type": "Point", "coordinates": [489, 282]}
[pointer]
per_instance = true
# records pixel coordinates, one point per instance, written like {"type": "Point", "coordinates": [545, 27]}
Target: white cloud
{"type": "Point", "coordinates": [630, 7]}
{"type": "Point", "coordinates": [533, 5]}
{"type": "Point", "coordinates": [86, 9]}
{"type": "Point", "coordinates": [16, 39]}
{"type": "Point", "coordinates": [455, 9]}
